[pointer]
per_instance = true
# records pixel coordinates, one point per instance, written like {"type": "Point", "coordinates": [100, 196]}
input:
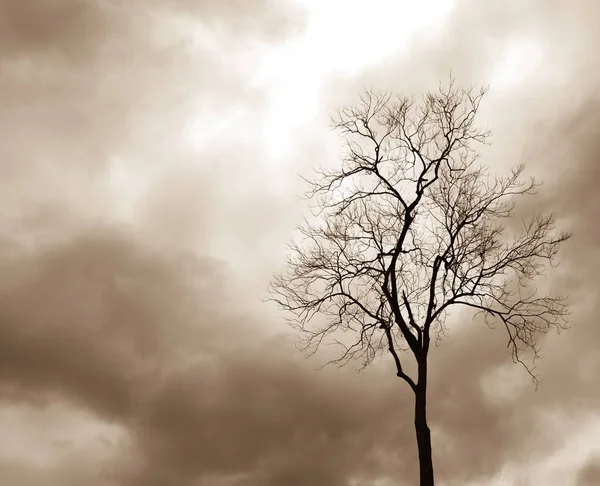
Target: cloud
{"type": "Point", "coordinates": [71, 28]}
{"type": "Point", "coordinates": [589, 474]}
{"type": "Point", "coordinates": [133, 246]}
{"type": "Point", "coordinates": [154, 344]}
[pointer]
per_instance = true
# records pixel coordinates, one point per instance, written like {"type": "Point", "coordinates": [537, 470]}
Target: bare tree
{"type": "Point", "coordinates": [410, 227]}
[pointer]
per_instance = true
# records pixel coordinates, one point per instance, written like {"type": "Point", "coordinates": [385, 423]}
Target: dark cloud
{"type": "Point", "coordinates": [77, 28]}
{"type": "Point", "coordinates": [153, 344]}
{"type": "Point", "coordinates": [70, 27]}
{"type": "Point", "coordinates": [589, 475]}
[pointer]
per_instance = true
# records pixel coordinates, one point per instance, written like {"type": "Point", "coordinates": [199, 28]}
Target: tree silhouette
{"type": "Point", "coordinates": [408, 228]}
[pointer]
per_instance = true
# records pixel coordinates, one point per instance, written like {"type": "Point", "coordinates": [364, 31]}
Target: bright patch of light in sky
{"type": "Point", "coordinates": [340, 37]}
{"type": "Point", "coordinates": [351, 35]}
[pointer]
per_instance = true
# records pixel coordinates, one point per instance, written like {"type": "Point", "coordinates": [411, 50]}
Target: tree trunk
{"type": "Point", "coordinates": [423, 432]}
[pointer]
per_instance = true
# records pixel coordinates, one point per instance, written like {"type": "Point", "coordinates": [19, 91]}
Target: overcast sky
{"type": "Point", "coordinates": [150, 157]}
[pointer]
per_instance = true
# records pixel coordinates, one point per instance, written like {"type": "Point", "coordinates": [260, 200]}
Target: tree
{"type": "Point", "coordinates": [410, 227]}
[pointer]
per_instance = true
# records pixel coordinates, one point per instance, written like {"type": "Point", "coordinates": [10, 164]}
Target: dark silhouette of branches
{"type": "Point", "coordinates": [409, 227]}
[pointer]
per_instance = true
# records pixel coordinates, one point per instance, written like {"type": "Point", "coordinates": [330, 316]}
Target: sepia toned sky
{"type": "Point", "coordinates": [150, 157]}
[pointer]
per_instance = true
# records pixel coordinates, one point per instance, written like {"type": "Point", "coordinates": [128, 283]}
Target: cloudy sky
{"type": "Point", "coordinates": [149, 181]}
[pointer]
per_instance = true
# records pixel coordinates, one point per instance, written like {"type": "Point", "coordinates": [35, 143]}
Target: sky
{"type": "Point", "coordinates": [150, 161]}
